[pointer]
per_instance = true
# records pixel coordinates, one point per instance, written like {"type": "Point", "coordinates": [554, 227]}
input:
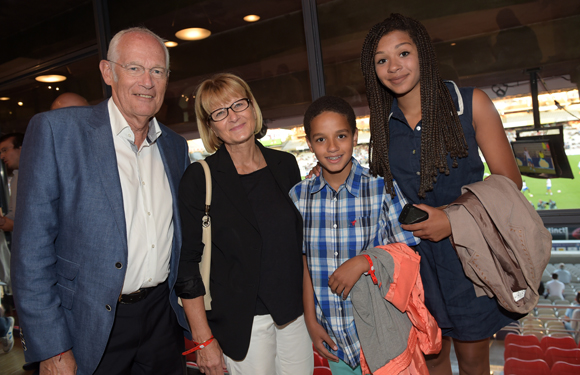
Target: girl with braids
{"type": "Point", "coordinates": [425, 133]}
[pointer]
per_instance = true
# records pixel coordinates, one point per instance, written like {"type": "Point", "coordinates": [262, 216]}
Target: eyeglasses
{"type": "Point", "coordinates": [136, 70]}
{"type": "Point", "coordinates": [238, 106]}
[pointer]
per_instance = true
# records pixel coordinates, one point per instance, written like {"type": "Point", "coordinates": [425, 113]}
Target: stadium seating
{"type": "Point", "coordinates": [514, 366]}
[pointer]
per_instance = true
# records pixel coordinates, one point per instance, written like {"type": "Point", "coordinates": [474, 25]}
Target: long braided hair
{"type": "Point", "coordinates": [442, 132]}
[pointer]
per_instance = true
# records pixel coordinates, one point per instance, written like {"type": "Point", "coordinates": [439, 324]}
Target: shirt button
{"type": "Point", "coordinates": [418, 173]}
{"type": "Point", "coordinates": [418, 128]}
{"type": "Point", "coordinates": [335, 226]}
{"type": "Point", "coordinates": [335, 199]}
{"type": "Point", "coordinates": [108, 307]}
{"type": "Point", "coordinates": [149, 213]}
{"type": "Point", "coordinates": [118, 265]}
{"type": "Point", "coordinates": [336, 253]}
{"type": "Point", "coordinates": [143, 183]}
{"type": "Point", "coordinates": [340, 309]}
{"type": "Point", "coordinates": [153, 246]}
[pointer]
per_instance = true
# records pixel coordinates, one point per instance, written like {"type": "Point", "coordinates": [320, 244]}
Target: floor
{"type": "Point", "coordinates": [11, 363]}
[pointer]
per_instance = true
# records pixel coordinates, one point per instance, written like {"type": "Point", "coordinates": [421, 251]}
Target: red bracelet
{"type": "Point", "coordinates": [199, 346]}
{"type": "Point", "coordinates": [372, 269]}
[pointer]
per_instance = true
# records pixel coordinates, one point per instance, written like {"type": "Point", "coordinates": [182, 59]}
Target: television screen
{"type": "Point", "coordinates": [534, 157]}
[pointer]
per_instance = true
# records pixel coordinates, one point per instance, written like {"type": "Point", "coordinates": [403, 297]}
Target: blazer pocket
{"type": "Point", "coordinates": [66, 272]}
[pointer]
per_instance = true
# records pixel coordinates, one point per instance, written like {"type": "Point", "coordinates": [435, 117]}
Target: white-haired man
{"type": "Point", "coordinates": [96, 246]}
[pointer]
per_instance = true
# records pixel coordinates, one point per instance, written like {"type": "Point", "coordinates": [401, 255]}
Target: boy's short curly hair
{"type": "Point", "coordinates": [329, 104]}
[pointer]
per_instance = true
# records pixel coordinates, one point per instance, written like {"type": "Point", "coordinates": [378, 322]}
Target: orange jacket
{"type": "Point", "coordinates": [404, 290]}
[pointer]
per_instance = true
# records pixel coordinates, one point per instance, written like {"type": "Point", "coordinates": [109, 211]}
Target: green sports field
{"type": "Point", "coordinates": [565, 191]}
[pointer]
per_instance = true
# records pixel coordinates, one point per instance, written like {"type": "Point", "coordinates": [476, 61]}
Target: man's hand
{"type": "Point", "coordinates": [344, 277]}
{"type": "Point", "coordinates": [319, 336]}
{"type": "Point", "coordinates": [436, 228]}
{"type": "Point", "coordinates": [62, 364]}
{"type": "Point", "coordinates": [211, 359]}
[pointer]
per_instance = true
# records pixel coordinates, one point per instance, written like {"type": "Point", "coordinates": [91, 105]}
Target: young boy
{"type": "Point", "coordinates": [345, 210]}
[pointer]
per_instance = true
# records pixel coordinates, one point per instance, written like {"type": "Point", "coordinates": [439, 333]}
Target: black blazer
{"type": "Point", "coordinates": [236, 248]}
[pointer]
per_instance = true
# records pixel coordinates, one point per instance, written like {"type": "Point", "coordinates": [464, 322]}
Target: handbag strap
{"type": "Point", "coordinates": [207, 172]}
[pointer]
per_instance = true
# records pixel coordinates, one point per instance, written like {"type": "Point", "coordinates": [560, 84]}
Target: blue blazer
{"type": "Point", "coordinates": [70, 233]}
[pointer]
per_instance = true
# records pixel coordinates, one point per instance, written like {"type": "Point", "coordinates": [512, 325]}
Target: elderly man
{"type": "Point", "coordinates": [97, 233]}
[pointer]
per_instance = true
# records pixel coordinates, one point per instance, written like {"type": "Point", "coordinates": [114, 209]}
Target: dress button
{"type": "Point", "coordinates": [118, 265]}
{"type": "Point", "coordinates": [418, 173]}
{"type": "Point", "coordinates": [414, 152]}
{"type": "Point", "coordinates": [108, 307]}
{"type": "Point", "coordinates": [418, 128]}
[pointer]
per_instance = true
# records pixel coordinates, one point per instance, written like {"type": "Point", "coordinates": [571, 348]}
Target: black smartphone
{"type": "Point", "coordinates": [412, 215]}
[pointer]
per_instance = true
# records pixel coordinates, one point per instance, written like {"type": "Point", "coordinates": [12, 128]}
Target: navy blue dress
{"type": "Point", "coordinates": [449, 294]}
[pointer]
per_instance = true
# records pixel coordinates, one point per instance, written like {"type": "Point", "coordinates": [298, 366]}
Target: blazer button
{"type": "Point", "coordinates": [108, 307]}
{"type": "Point", "coordinates": [118, 265]}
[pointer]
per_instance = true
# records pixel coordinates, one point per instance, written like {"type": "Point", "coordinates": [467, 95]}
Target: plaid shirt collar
{"type": "Point", "coordinates": [352, 183]}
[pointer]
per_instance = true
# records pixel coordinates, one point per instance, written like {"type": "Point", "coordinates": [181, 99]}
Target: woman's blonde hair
{"type": "Point", "coordinates": [214, 91]}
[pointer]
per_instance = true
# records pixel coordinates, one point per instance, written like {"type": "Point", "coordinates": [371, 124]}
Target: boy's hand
{"type": "Point", "coordinates": [436, 228]}
{"type": "Point", "coordinates": [319, 336]}
{"type": "Point", "coordinates": [344, 277]}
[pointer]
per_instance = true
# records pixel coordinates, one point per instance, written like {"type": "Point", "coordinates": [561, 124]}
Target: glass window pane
{"type": "Point", "coordinates": [27, 97]}
{"type": "Point", "coordinates": [269, 54]}
{"type": "Point", "coordinates": [34, 32]}
{"type": "Point", "coordinates": [485, 44]}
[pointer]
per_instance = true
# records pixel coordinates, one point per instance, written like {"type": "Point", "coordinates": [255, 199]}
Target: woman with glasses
{"type": "Point", "coordinates": [256, 314]}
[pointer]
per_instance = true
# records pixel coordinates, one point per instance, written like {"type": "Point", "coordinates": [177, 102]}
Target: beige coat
{"type": "Point", "coordinates": [501, 241]}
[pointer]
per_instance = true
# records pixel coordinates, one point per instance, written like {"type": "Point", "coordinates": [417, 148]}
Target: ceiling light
{"type": "Point", "coordinates": [20, 104]}
{"type": "Point", "coordinates": [4, 98]}
{"type": "Point", "coordinates": [170, 44]}
{"type": "Point", "coordinates": [453, 44]}
{"type": "Point", "coordinates": [194, 33]}
{"type": "Point", "coordinates": [251, 18]}
{"type": "Point", "coordinates": [51, 78]}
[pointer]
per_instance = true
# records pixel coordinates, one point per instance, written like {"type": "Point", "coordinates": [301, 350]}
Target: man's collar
{"type": "Point", "coordinates": [352, 183]}
{"type": "Point", "coordinates": [120, 125]}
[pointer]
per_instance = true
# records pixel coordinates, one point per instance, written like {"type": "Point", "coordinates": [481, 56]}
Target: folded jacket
{"type": "Point", "coordinates": [501, 241]}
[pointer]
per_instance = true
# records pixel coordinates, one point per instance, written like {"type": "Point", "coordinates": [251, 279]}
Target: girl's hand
{"type": "Point", "coordinates": [436, 228]}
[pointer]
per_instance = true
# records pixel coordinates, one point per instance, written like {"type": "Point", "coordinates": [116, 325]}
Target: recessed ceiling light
{"type": "Point", "coordinates": [4, 98]}
{"type": "Point", "coordinates": [51, 78]}
{"type": "Point", "coordinates": [453, 44]}
{"type": "Point", "coordinates": [251, 18]}
{"type": "Point", "coordinates": [194, 33]}
{"type": "Point", "coordinates": [20, 104]}
{"type": "Point", "coordinates": [170, 44]}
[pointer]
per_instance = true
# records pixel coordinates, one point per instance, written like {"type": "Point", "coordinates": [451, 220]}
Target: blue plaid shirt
{"type": "Point", "coordinates": [338, 225]}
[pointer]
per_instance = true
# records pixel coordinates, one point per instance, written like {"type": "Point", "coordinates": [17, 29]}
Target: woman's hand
{"type": "Point", "coordinates": [344, 277]}
{"type": "Point", "coordinates": [436, 228]}
{"type": "Point", "coordinates": [315, 171]}
{"type": "Point", "coordinates": [210, 359]}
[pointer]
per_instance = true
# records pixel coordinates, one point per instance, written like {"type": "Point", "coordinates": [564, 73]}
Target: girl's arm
{"type": "Point", "coordinates": [491, 138]}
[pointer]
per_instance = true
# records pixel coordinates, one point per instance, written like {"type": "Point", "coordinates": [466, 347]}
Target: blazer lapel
{"type": "Point", "coordinates": [170, 163]}
{"type": "Point", "coordinates": [102, 149]}
{"type": "Point", "coordinates": [274, 162]}
{"type": "Point", "coordinates": [226, 177]}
